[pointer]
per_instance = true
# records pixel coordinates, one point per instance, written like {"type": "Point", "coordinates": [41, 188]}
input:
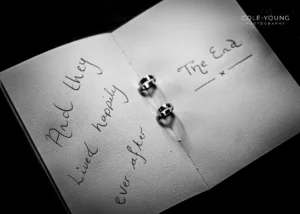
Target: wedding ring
{"type": "Point", "coordinates": [165, 110]}
{"type": "Point", "coordinates": [147, 82]}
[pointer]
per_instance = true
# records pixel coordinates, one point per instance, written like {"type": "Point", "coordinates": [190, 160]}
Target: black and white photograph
{"type": "Point", "coordinates": [155, 106]}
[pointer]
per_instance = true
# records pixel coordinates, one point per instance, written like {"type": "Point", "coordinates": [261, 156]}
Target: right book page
{"type": "Point", "coordinates": [233, 99]}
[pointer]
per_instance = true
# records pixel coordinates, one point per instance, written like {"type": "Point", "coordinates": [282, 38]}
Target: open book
{"type": "Point", "coordinates": [99, 140]}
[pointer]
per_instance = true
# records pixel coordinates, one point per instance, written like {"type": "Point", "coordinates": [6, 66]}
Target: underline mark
{"type": "Point", "coordinates": [228, 69]}
{"type": "Point", "coordinates": [240, 62]}
{"type": "Point", "coordinates": [205, 84]}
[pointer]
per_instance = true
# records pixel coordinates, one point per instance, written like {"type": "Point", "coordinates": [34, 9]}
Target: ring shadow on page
{"type": "Point", "coordinates": [149, 92]}
{"type": "Point", "coordinates": [174, 128]}
{"type": "Point", "coordinates": [154, 97]}
{"type": "Point", "coordinates": [171, 124]}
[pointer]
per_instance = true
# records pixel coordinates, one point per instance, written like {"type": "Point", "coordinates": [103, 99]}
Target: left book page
{"type": "Point", "coordinates": [101, 146]}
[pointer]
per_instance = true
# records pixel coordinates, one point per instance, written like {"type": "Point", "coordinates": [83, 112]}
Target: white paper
{"type": "Point", "coordinates": [237, 103]}
{"type": "Point", "coordinates": [91, 122]}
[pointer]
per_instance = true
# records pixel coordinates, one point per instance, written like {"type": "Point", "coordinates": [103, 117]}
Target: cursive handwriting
{"type": "Point", "coordinates": [55, 134]}
{"type": "Point", "coordinates": [189, 67]}
{"type": "Point", "coordinates": [136, 154]}
{"type": "Point", "coordinates": [74, 83]}
{"type": "Point", "coordinates": [83, 169]}
{"type": "Point", "coordinates": [192, 67]}
{"type": "Point", "coordinates": [218, 54]}
{"type": "Point", "coordinates": [126, 184]}
{"type": "Point", "coordinates": [138, 144]}
{"type": "Point", "coordinates": [109, 107]}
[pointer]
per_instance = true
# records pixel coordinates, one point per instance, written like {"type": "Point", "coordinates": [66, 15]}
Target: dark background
{"type": "Point", "coordinates": [269, 183]}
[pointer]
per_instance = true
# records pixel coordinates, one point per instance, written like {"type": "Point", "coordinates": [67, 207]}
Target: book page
{"type": "Point", "coordinates": [232, 96]}
{"type": "Point", "coordinates": [94, 134]}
